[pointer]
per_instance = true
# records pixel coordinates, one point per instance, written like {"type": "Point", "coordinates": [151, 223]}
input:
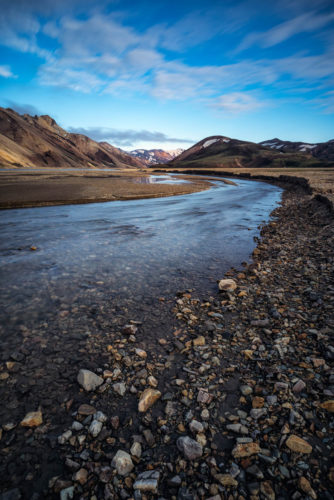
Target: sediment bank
{"type": "Point", "coordinates": [29, 188]}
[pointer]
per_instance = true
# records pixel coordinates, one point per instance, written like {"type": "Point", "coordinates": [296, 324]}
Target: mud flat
{"type": "Point", "coordinates": [233, 398]}
{"type": "Point", "coordinates": [32, 188]}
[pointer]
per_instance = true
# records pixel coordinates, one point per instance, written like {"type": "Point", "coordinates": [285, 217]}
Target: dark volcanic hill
{"type": "Point", "coordinates": [27, 141]}
{"type": "Point", "coordinates": [322, 150]}
{"type": "Point", "coordinates": [155, 156]}
{"type": "Point", "coordinates": [221, 151]}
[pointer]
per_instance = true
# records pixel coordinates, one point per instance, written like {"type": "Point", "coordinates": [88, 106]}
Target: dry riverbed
{"type": "Point", "coordinates": [234, 400]}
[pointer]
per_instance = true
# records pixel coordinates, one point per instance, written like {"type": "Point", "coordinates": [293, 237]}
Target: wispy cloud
{"type": "Point", "coordinates": [125, 137]}
{"type": "Point", "coordinates": [238, 102]}
{"type": "Point", "coordinates": [304, 23]}
{"type": "Point", "coordinates": [23, 108]}
{"type": "Point", "coordinates": [102, 53]}
{"type": "Point", "coordinates": [6, 72]}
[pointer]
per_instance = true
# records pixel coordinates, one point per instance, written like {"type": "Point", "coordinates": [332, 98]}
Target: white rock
{"type": "Point", "coordinates": [89, 380]}
{"type": "Point", "coordinates": [120, 388]}
{"type": "Point", "coordinates": [136, 450]}
{"type": "Point", "coordinates": [64, 437]}
{"type": "Point", "coordinates": [95, 428]}
{"type": "Point", "coordinates": [122, 463]}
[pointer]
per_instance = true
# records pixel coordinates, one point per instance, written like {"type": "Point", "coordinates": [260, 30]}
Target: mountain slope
{"type": "Point", "coordinates": [155, 156]}
{"type": "Point", "coordinates": [221, 151]}
{"type": "Point", "coordinates": [38, 141]}
{"type": "Point", "coordinates": [322, 150]}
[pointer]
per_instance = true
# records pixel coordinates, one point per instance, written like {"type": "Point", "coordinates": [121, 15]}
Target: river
{"type": "Point", "coordinates": [100, 263]}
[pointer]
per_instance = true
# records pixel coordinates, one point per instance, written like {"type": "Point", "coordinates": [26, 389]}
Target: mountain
{"type": "Point", "coordinates": [155, 156]}
{"type": "Point", "coordinates": [322, 150]}
{"type": "Point", "coordinates": [38, 141]}
{"type": "Point", "coordinates": [222, 151]}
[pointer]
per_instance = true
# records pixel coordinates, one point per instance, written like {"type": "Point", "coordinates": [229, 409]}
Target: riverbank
{"type": "Point", "coordinates": [34, 188]}
{"type": "Point", "coordinates": [241, 387]}
{"type": "Point", "coordinates": [319, 181]}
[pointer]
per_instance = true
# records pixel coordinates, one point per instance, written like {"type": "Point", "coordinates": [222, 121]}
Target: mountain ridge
{"type": "Point", "coordinates": [223, 151]}
{"type": "Point", "coordinates": [38, 141]}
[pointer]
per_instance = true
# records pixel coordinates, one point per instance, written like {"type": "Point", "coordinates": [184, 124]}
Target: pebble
{"type": "Point", "coordinates": [227, 285]}
{"type": "Point", "coordinates": [95, 428]}
{"type": "Point", "coordinates": [147, 399]}
{"type": "Point", "coordinates": [89, 380]}
{"type": "Point", "coordinates": [298, 445]}
{"type": "Point", "coordinates": [189, 447]}
{"type": "Point", "coordinates": [32, 419]}
{"type": "Point", "coordinates": [147, 481]}
{"type": "Point", "coordinates": [119, 388]}
{"type": "Point", "coordinates": [122, 463]}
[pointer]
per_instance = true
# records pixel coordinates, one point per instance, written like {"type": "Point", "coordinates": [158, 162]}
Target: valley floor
{"type": "Point", "coordinates": [31, 188]}
{"type": "Point", "coordinates": [245, 383]}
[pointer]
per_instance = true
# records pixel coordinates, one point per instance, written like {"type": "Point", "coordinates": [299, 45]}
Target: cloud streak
{"type": "Point", "coordinates": [23, 108]}
{"type": "Point", "coordinates": [6, 72]}
{"type": "Point", "coordinates": [126, 137]}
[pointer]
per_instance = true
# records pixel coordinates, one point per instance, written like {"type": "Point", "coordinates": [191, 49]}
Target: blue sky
{"type": "Point", "coordinates": [169, 73]}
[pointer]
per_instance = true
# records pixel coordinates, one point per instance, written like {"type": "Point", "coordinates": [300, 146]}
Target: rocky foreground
{"type": "Point", "coordinates": [236, 402]}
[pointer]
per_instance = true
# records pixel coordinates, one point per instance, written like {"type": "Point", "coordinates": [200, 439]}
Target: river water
{"type": "Point", "coordinates": [101, 261]}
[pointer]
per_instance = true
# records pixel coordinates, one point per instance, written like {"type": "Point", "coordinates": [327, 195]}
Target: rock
{"type": "Point", "coordinates": [77, 426]}
{"type": "Point", "coordinates": [136, 450]}
{"type": "Point", "coordinates": [120, 388]}
{"type": "Point", "coordinates": [226, 480]}
{"type": "Point", "coordinates": [147, 399]}
{"type": "Point", "coordinates": [149, 437]}
{"type": "Point", "coordinates": [67, 493]}
{"type": "Point", "coordinates": [189, 447]}
{"type": "Point", "coordinates": [122, 463]}
{"type": "Point", "coordinates": [238, 428]}
{"type": "Point", "coordinates": [245, 450]}
{"type": "Point", "coordinates": [65, 437]}
{"type": "Point", "coordinates": [298, 445]}
{"type": "Point", "coordinates": [205, 414]}
{"type": "Point", "coordinates": [141, 353]}
{"type": "Point", "coordinates": [198, 341]}
{"type": "Point", "coordinates": [257, 402]}
{"type": "Point", "coordinates": [152, 381]}
{"type": "Point", "coordinates": [257, 413]}
{"type": "Point", "coordinates": [267, 490]}
{"type": "Point", "coordinates": [328, 405]}
{"type": "Point", "coordinates": [299, 386]}
{"type": "Point", "coordinates": [306, 487]}
{"type": "Point", "coordinates": [89, 380]}
{"type": "Point", "coordinates": [32, 419]}
{"type": "Point", "coordinates": [147, 481]}
{"type": "Point", "coordinates": [196, 426]}
{"type": "Point", "coordinates": [246, 390]}
{"type": "Point", "coordinates": [81, 476]}
{"type": "Point", "coordinates": [100, 416]}
{"type": "Point", "coordinates": [95, 428]}
{"type": "Point", "coordinates": [204, 397]}
{"type": "Point", "coordinates": [227, 285]}
{"type": "Point", "coordinates": [86, 410]}
{"type": "Point", "coordinates": [129, 330]}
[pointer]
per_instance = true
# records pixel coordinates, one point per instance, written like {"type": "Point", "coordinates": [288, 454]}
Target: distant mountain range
{"type": "Point", "coordinates": [155, 156]}
{"type": "Point", "coordinates": [322, 150]}
{"type": "Point", "coordinates": [221, 151]}
{"type": "Point", "coordinates": [38, 141]}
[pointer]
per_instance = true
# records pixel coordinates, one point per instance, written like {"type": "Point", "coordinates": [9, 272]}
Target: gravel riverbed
{"type": "Point", "coordinates": [233, 399]}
